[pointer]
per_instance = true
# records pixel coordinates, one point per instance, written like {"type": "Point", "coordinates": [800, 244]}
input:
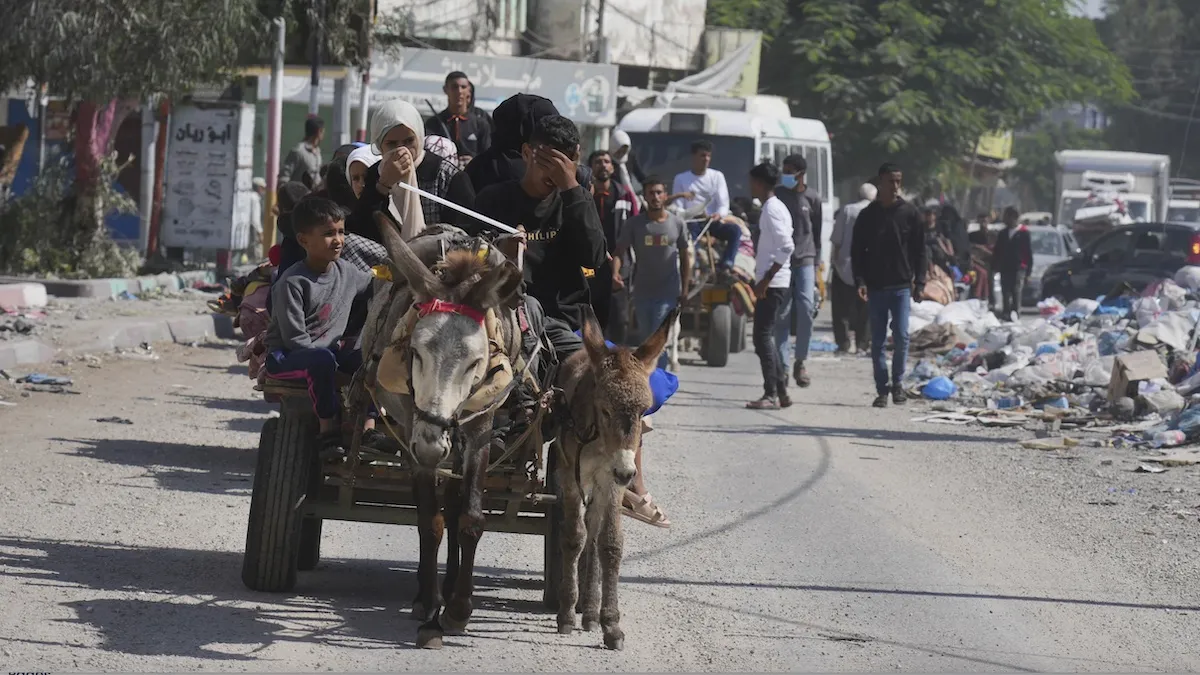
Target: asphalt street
{"type": "Point", "coordinates": [830, 536]}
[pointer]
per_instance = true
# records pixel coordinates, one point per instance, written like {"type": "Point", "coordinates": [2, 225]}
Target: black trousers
{"type": "Point", "coordinates": [766, 313]}
{"type": "Point", "coordinates": [849, 316]}
{"type": "Point", "coordinates": [1012, 287]}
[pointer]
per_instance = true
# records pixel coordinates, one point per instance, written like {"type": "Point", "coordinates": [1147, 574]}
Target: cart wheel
{"type": "Point", "coordinates": [310, 529]}
{"type": "Point", "coordinates": [285, 458]}
{"type": "Point", "coordinates": [719, 328]}
{"type": "Point", "coordinates": [553, 543]}
{"type": "Point", "coordinates": [737, 330]}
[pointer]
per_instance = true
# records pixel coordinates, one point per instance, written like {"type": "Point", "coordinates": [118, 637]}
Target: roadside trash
{"type": "Point", "coordinates": [1131, 368]}
{"type": "Point", "coordinates": [1167, 439]}
{"type": "Point", "coordinates": [1050, 307]}
{"type": "Point", "coordinates": [41, 378]}
{"type": "Point", "coordinates": [114, 420]}
{"type": "Point", "coordinates": [1163, 402]}
{"type": "Point", "coordinates": [939, 389]}
{"type": "Point", "coordinates": [1123, 408]}
{"type": "Point", "coordinates": [1189, 422]}
{"type": "Point", "coordinates": [126, 295]}
{"type": "Point", "coordinates": [1060, 443]}
{"type": "Point", "coordinates": [1179, 458]}
{"type": "Point", "coordinates": [1060, 402]}
{"type": "Point", "coordinates": [1006, 402]}
{"type": "Point", "coordinates": [1146, 468]}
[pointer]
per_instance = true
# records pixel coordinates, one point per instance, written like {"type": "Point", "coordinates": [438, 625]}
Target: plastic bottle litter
{"type": "Point", "coordinates": [1167, 439]}
{"type": "Point", "coordinates": [1006, 402]}
{"type": "Point", "coordinates": [1060, 402]}
{"type": "Point", "coordinates": [821, 346]}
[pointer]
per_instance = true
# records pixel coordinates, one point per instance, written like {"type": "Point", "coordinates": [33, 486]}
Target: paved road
{"type": "Point", "coordinates": [829, 536]}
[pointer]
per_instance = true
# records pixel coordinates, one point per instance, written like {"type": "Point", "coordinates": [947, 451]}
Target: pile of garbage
{"type": "Point", "coordinates": [1109, 362]}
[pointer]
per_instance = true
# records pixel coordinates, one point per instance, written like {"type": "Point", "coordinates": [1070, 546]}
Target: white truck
{"type": "Point", "coordinates": [1137, 184]}
{"type": "Point", "coordinates": [1184, 206]}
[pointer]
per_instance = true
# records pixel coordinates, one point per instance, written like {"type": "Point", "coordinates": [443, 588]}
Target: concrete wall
{"type": "Point", "coordinates": [663, 34]}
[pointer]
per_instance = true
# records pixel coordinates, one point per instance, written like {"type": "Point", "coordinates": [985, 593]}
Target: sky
{"type": "Point", "coordinates": [1092, 9]}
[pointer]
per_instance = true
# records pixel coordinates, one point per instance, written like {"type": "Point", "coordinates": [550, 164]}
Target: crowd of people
{"type": "Point", "coordinates": [591, 240]}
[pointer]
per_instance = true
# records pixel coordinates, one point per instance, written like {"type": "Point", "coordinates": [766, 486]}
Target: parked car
{"type": "Point", "coordinates": [1137, 254]}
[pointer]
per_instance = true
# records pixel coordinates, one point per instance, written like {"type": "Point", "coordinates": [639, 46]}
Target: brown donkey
{"type": "Point", "coordinates": [606, 392]}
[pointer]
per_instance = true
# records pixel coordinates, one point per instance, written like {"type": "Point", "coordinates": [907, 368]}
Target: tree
{"type": "Point", "coordinates": [768, 16]}
{"type": "Point", "coordinates": [1034, 151]}
{"type": "Point", "coordinates": [108, 56]}
{"type": "Point", "coordinates": [1159, 41]}
{"type": "Point", "coordinates": [920, 80]}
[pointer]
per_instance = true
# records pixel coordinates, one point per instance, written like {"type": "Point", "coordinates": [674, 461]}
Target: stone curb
{"type": "Point", "coordinates": [121, 334]}
{"type": "Point", "coordinates": [111, 288]}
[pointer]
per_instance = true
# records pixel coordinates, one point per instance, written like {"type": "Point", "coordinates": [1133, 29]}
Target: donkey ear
{"type": "Point", "coordinates": [496, 288]}
{"type": "Point", "coordinates": [649, 351]}
{"type": "Point", "coordinates": [593, 336]}
{"type": "Point", "coordinates": [419, 277]}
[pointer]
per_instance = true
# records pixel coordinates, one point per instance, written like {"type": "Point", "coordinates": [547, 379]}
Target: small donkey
{"type": "Point", "coordinates": [606, 392]}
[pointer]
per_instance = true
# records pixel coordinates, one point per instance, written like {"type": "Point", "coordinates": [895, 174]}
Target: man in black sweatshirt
{"type": "Point", "coordinates": [562, 228]}
{"type": "Point", "coordinates": [888, 260]}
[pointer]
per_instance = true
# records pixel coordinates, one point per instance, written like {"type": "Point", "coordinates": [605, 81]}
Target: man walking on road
{"type": "Point", "coordinates": [772, 274]}
{"type": "Point", "coordinates": [849, 310]}
{"type": "Point", "coordinates": [1012, 258]}
{"type": "Point", "coordinates": [460, 121]}
{"type": "Point", "coordinates": [303, 162]}
{"type": "Point", "coordinates": [615, 202]}
{"type": "Point", "coordinates": [659, 241]}
{"type": "Point", "coordinates": [804, 205]}
{"type": "Point", "coordinates": [888, 260]}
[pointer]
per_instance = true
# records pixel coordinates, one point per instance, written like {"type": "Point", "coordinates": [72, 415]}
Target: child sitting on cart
{"type": "Point", "coordinates": [311, 303]}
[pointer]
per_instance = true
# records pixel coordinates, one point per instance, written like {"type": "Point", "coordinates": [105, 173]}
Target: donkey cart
{"type": "Point", "coordinates": [709, 314]}
{"type": "Point", "coordinates": [295, 491]}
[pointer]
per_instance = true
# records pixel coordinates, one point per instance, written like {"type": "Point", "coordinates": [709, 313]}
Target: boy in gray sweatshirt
{"type": "Point", "coordinates": [311, 307]}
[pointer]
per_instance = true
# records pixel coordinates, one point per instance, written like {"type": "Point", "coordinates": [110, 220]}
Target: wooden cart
{"type": "Point", "coordinates": [294, 492]}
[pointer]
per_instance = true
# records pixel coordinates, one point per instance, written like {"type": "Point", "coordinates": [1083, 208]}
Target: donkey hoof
{"type": "Point", "coordinates": [614, 641]}
{"type": "Point", "coordinates": [590, 625]}
{"type": "Point", "coordinates": [453, 626]}
{"type": "Point", "coordinates": [428, 638]}
{"type": "Point", "coordinates": [566, 626]}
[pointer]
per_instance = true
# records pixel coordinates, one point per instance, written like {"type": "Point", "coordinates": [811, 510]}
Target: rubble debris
{"type": "Point", "coordinates": [114, 420]}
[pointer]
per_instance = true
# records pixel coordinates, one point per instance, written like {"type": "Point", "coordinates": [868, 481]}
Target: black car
{"type": "Point", "coordinates": [1138, 254]}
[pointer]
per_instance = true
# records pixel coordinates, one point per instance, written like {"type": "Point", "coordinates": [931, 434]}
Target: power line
{"type": "Point", "coordinates": [1187, 130]}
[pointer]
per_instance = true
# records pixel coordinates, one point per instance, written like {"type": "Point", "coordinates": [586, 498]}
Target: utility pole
{"type": "Point", "coordinates": [583, 34]}
{"type": "Point", "coordinates": [316, 21]}
{"type": "Point", "coordinates": [364, 102]}
{"type": "Point", "coordinates": [274, 135]}
{"type": "Point", "coordinates": [601, 42]}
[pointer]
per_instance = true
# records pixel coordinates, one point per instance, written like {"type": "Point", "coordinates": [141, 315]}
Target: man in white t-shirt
{"type": "Point", "coordinates": [773, 283]}
{"type": "Point", "coordinates": [700, 184]}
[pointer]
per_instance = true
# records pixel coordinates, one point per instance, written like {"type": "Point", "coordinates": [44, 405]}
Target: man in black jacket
{"type": "Point", "coordinates": [562, 228]}
{"type": "Point", "coordinates": [889, 261]}
{"type": "Point", "coordinates": [460, 121]}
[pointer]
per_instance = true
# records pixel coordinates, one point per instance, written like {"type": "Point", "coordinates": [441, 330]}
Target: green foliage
{"type": "Point", "coordinates": [39, 233]}
{"type": "Point", "coordinates": [1159, 41]}
{"type": "Point", "coordinates": [768, 16]}
{"type": "Point", "coordinates": [919, 80]}
{"type": "Point", "coordinates": [1034, 151]}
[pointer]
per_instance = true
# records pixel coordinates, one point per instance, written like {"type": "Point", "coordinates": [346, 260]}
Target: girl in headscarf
{"type": "Point", "coordinates": [398, 135]}
{"type": "Point", "coordinates": [359, 162]}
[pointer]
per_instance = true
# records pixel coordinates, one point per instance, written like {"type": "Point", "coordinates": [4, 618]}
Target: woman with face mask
{"type": "Point", "coordinates": [398, 136]}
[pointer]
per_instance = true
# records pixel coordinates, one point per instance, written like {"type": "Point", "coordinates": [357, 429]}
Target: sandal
{"type": "Point", "coordinates": [645, 510]}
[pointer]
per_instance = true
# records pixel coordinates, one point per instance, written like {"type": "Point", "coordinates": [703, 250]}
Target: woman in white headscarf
{"type": "Point", "coordinates": [398, 135]}
{"type": "Point", "coordinates": [627, 164]}
{"type": "Point", "coordinates": [358, 164]}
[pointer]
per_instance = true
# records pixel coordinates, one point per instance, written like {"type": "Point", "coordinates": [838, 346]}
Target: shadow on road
{"type": "Point", "coordinates": [175, 466]}
{"type": "Point", "coordinates": [795, 429]}
{"type": "Point", "coordinates": [192, 603]}
{"type": "Point", "coordinates": [238, 405]}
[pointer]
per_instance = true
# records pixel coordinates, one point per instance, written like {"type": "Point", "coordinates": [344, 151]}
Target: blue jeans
{"type": "Point", "coordinates": [880, 304]}
{"type": "Point", "coordinates": [804, 279]}
{"type": "Point", "coordinates": [726, 232]}
{"type": "Point", "coordinates": [650, 314]}
{"type": "Point", "coordinates": [318, 367]}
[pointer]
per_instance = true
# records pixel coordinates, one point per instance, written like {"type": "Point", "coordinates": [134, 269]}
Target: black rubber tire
{"type": "Point", "coordinates": [719, 324]}
{"type": "Point", "coordinates": [552, 573]}
{"type": "Point", "coordinates": [310, 545]}
{"type": "Point", "coordinates": [285, 457]}
{"type": "Point", "coordinates": [737, 329]}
